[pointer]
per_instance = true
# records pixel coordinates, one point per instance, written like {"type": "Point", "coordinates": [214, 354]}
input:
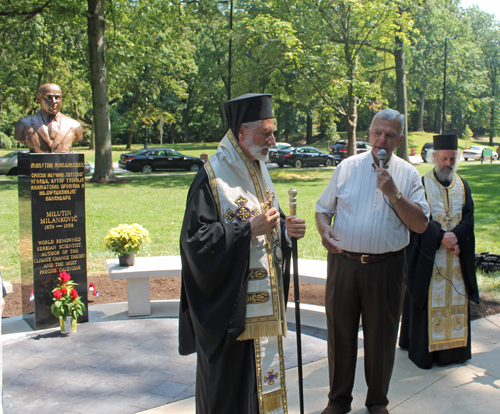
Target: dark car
{"type": "Point", "coordinates": [274, 151]}
{"type": "Point", "coordinates": [427, 150]}
{"type": "Point", "coordinates": [340, 148]}
{"type": "Point", "coordinates": [152, 159]}
{"type": "Point", "coordinates": [304, 157]}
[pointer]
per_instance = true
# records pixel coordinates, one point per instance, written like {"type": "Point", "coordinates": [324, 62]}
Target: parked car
{"type": "Point", "coordinates": [476, 152]}
{"type": "Point", "coordinates": [304, 156]}
{"type": "Point", "coordinates": [426, 152]}
{"type": "Point", "coordinates": [340, 148]}
{"type": "Point", "coordinates": [274, 150]}
{"type": "Point", "coordinates": [152, 159]}
{"type": "Point", "coordinates": [8, 163]}
{"type": "Point", "coordinates": [88, 168]}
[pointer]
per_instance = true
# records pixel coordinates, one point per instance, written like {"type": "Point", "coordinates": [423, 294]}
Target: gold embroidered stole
{"type": "Point", "coordinates": [239, 190]}
{"type": "Point", "coordinates": [447, 307]}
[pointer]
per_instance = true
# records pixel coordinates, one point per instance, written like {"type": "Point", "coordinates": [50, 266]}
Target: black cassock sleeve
{"type": "Point", "coordinates": [215, 260]}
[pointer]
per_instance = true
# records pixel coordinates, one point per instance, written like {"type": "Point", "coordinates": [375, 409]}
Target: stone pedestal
{"type": "Point", "coordinates": [52, 231]}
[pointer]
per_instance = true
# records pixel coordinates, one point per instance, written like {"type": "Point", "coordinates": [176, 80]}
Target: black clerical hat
{"type": "Point", "coordinates": [445, 142]}
{"type": "Point", "coordinates": [247, 108]}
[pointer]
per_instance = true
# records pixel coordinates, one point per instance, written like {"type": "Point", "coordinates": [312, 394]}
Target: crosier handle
{"type": "Point", "coordinates": [293, 201]}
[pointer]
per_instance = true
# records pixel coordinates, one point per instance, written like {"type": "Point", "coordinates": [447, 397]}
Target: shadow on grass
{"type": "Point", "coordinates": [8, 185]}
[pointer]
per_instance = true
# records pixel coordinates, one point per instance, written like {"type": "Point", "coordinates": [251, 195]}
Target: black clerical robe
{"type": "Point", "coordinates": [215, 258]}
{"type": "Point", "coordinates": [420, 262]}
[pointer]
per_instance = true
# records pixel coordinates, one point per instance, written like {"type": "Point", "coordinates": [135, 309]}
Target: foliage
{"type": "Point", "coordinates": [5, 141]}
{"type": "Point", "coordinates": [126, 239]}
{"type": "Point", "coordinates": [66, 299]}
{"type": "Point", "coordinates": [467, 134]}
{"type": "Point", "coordinates": [331, 63]}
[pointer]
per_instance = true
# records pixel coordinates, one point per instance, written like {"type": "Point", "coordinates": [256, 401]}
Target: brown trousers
{"type": "Point", "coordinates": [374, 291]}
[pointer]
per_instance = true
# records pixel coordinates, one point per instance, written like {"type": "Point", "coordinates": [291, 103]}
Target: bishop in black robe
{"type": "Point", "coordinates": [215, 258]}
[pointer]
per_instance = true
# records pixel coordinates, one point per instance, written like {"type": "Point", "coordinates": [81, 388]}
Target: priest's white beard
{"type": "Point", "coordinates": [445, 174]}
{"type": "Point", "coordinates": [255, 150]}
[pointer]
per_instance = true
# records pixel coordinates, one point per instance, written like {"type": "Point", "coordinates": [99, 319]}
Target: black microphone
{"type": "Point", "coordinates": [382, 155]}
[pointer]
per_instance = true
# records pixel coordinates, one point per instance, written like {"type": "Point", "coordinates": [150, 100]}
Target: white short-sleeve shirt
{"type": "Point", "coordinates": [364, 219]}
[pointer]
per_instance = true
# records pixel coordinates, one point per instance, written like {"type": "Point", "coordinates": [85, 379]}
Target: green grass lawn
{"type": "Point", "coordinates": [157, 202]}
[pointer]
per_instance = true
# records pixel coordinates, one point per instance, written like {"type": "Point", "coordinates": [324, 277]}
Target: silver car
{"type": "Point", "coordinates": [8, 163]}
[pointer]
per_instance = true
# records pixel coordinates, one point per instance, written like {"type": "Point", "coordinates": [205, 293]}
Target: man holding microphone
{"type": "Point", "coordinates": [373, 202]}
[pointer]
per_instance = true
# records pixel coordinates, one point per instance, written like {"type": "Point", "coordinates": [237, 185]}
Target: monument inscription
{"type": "Point", "coordinates": [52, 200]}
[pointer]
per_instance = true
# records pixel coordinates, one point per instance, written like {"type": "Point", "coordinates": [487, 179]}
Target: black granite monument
{"type": "Point", "coordinates": [52, 231]}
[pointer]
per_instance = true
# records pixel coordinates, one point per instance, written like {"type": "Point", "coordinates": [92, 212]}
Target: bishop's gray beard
{"type": "Point", "coordinates": [256, 150]}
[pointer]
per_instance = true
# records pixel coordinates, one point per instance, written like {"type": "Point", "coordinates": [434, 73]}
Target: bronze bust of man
{"type": "Point", "coordinates": [48, 130]}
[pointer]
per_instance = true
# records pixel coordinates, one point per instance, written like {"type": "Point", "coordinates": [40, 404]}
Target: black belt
{"type": "Point", "coordinates": [368, 258]}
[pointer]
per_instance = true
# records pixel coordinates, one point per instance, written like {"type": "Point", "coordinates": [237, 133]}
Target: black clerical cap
{"type": "Point", "coordinates": [445, 142]}
{"type": "Point", "coordinates": [247, 108]}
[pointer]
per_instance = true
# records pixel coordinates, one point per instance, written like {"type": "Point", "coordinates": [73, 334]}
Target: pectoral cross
{"type": "Point", "coordinates": [448, 220]}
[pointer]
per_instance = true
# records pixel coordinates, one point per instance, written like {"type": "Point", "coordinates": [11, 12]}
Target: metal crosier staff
{"type": "Point", "coordinates": [293, 213]}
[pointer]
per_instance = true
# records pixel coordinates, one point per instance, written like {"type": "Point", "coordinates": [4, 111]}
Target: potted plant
{"type": "Point", "coordinates": [67, 304]}
{"type": "Point", "coordinates": [126, 240]}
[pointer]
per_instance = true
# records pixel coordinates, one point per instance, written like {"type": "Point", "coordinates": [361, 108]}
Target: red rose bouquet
{"type": "Point", "coordinates": [66, 299]}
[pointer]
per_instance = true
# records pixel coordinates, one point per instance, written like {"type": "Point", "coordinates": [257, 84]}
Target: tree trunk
{"type": "Point", "coordinates": [172, 133]}
{"type": "Point", "coordinates": [350, 123]}
{"type": "Point", "coordinates": [493, 109]}
{"type": "Point", "coordinates": [98, 78]}
{"type": "Point", "coordinates": [322, 127]}
{"type": "Point", "coordinates": [399, 56]}
{"type": "Point", "coordinates": [0, 114]}
{"type": "Point", "coordinates": [92, 137]}
{"type": "Point", "coordinates": [129, 140]}
{"type": "Point", "coordinates": [309, 133]}
{"type": "Point", "coordinates": [350, 118]}
{"type": "Point", "coordinates": [185, 122]}
{"type": "Point", "coordinates": [437, 119]}
{"type": "Point", "coordinates": [420, 126]}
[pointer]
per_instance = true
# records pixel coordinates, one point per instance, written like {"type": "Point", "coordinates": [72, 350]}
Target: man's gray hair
{"type": "Point", "coordinates": [252, 124]}
{"type": "Point", "coordinates": [390, 115]}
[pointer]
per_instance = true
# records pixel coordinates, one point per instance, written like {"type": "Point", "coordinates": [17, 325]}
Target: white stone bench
{"type": "Point", "coordinates": [137, 276]}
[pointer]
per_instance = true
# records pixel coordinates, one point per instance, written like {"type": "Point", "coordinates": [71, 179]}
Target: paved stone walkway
{"type": "Point", "coordinates": [112, 367]}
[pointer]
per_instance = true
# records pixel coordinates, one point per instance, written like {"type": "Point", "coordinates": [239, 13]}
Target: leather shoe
{"type": "Point", "coordinates": [378, 409]}
{"type": "Point", "coordinates": [335, 410]}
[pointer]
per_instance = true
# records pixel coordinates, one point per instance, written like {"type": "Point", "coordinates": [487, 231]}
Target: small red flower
{"type": "Point", "coordinates": [65, 276]}
{"type": "Point", "coordinates": [64, 290]}
{"type": "Point", "coordinates": [57, 294]}
{"type": "Point", "coordinates": [74, 294]}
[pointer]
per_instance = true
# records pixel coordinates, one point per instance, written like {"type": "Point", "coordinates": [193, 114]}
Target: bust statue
{"type": "Point", "coordinates": [48, 130]}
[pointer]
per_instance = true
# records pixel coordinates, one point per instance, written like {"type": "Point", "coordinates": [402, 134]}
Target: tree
{"type": "Point", "coordinates": [98, 78]}
{"type": "Point", "coordinates": [487, 35]}
{"type": "Point", "coordinates": [333, 54]}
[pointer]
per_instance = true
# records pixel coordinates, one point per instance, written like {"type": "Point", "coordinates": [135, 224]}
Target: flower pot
{"type": "Point", "coordinates": [67, 324]}
{"type": "Point", "coordinates": [127, 259]}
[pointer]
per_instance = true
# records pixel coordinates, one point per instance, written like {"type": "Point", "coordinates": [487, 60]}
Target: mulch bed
{"type": "Point", "coordinates": [162, 288]}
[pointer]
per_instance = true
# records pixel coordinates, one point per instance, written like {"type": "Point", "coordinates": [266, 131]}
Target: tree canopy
{"type": "Point", "coordinates": [330, 65]}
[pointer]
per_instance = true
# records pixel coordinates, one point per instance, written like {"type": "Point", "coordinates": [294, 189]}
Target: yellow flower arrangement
{"type": "Point", "coordinates": [126, 239]}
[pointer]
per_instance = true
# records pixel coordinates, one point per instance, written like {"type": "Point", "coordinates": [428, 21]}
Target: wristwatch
{"type": "Point", "coordinates": [396, 198]}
